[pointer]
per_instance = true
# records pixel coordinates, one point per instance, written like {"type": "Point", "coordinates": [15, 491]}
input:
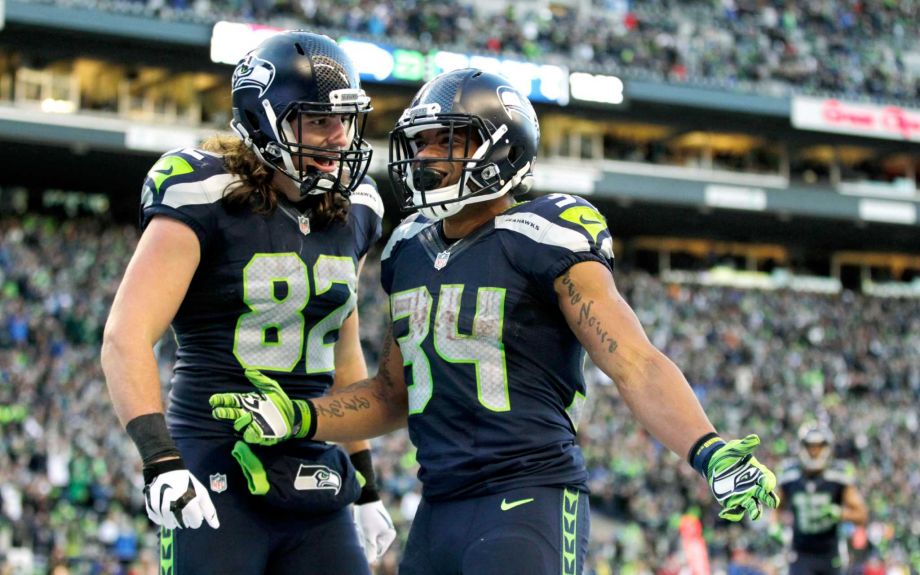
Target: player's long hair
{"type": "Point", "coordinates": [255, 191]}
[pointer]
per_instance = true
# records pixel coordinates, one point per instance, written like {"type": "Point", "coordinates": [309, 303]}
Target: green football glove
{"type": "Point", "coordinates": [830, 512]}
{"type": "Point", "coordinates": [739, 482]}
{"type": "Point", "coordinates": [264, 417]}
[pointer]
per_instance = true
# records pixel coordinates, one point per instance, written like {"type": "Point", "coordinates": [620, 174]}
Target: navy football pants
{"type": "Point", "coordinates": [820, 564]}
{"type": "Point", "coordinates": [526, 531]}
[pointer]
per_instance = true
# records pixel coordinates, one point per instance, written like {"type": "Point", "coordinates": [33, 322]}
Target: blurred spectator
{"type": "Point", "coordinates": [857, 50]}
{"type": "Point", "coordinates": [70, 480]}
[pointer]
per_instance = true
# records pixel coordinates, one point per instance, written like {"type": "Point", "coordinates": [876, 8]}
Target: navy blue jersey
{"type": "Point", "coordinates": [812, 531]}
{"type": "Point", "coordinates": [268, 294]}
{"type": "Point", "coordinates": [494, 372]}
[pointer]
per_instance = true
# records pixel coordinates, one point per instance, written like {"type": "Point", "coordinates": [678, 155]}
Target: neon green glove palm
{"type": "Point", "coordinates": [739, 482]}
{"type": "Point", "coordinates": [264, 417]}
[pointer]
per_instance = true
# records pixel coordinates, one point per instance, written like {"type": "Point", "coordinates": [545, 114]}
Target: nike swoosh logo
{"type": "Point", "coordinates": [589, 222]}
{"type": "Point", "coordinates": [506, 505]}
{"type": "Point", "coordinates": [166, 172]}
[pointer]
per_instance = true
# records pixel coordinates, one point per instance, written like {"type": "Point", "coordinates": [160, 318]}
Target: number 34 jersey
{"type": "Point", "coordinates": [268, 294]}
{"type": "Point", "coordinates": [494, 373]}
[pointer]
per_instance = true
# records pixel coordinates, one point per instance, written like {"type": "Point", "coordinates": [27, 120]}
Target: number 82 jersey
{"type": "Point", "coordinates": [268, 294]}
{"type": "Point", "coordinates": [494, 373]}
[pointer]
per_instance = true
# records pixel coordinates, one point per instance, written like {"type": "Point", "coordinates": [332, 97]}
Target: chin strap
{"type": "Point", "coordinates": [316, 183]}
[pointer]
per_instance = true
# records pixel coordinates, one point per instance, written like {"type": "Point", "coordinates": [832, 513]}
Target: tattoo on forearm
{"type": "Point", "coordinates": [586, 315]}
{"type": "Point", "coordinates": [353, 397]}
{"type": "Point", "coordinates": [338, 407]}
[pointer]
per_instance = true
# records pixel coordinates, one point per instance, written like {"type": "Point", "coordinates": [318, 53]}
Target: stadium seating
{"type": "Point", "coordinates": [70, 485]}
{"type": "Point", "coordinates": [772, 47]}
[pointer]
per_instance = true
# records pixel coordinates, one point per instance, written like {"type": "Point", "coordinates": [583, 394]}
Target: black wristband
{"type": "Point", "coordinates": [363, 465]}
{"type": "Point", "coordinates": [151, 436]}
{"type": "Point", "coordinates": [162, 466]}
{"type": "Point", "coordinates": [702, 451]}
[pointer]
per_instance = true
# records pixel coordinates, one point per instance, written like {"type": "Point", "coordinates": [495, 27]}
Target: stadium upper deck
{"type": "Point", "coordinates": [689, 154]}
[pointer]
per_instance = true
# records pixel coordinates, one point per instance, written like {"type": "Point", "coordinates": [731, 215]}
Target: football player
{"type": "Point", "coordinates": [493, 304]}
{"type": "Point", "coordinates": [822, 495]}
{"type": "Point", "coordinates": [252, 248]}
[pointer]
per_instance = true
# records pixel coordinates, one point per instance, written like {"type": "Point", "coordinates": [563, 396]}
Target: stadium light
{"type": "Point", "coordinates": [381, 63]}
{"type": "Point", "coordinates": [596, 88]}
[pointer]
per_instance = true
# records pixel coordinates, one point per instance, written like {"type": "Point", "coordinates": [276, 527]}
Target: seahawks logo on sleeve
{"type": "Point", "coordinates": [185, 177]}
{"type": "Point", "coordinates": [560, 220]}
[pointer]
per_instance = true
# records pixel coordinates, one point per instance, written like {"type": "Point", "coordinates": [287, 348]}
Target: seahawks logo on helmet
{"type": "Point", "coordinates": [315, 477]}
{"type": "Point", "coordinates": [513, 101]}
{"type": "Point", "coordinates": [253, 72]}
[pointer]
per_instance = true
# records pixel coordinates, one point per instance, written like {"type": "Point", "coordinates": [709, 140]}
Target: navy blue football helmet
{"type": "Point", "coordinates": [490, 113]}
{"type": "Point", "coordinates": [296, 74]}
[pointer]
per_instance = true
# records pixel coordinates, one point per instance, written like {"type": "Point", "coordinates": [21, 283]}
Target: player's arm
{"type": "Point", "coordinates": [854, 506]}
{"type": "Point", "coordinates": [350, 365]}
{"type": "Point", "coordinates": [148, 298]}
{"type": "Point", "coordinates": [349, 368]}
{"type": "Point", "coordinates": [366, 408]}
{"type": "Point", "coordinates": [150, 293]}
{"type": "Point", "coordinates": [353, 412]}
{"type": "Point", "coordinates": [652, 386]}
{"type": "Point", "coordinates": [655, 389]}
{"type": "Point", "coordinates": [375, 527]}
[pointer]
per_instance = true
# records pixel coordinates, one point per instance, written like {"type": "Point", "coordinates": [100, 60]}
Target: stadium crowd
{"type": "Point", "coordinates": [771, 47]}
{"type": "Point", "coordinates": [70, 484]}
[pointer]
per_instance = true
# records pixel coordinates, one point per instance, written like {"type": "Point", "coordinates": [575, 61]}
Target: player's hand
{"type": "Point", "coordinates": [375, 529]}
{"type": "Point", "coordinates": [739, 482]}
{"type": "Point", "coordinates": [831, 512]}
{"type": "Point", "coordinates": [264, 417]}
{"type": "Point", "coordinates": [174, 498]}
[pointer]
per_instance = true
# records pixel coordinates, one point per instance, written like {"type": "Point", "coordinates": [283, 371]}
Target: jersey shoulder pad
{"type": "Point", "coordinates": [789, 472]}
{"type": "Point", "coordinates": [366, 194]}
{"type": "Point", "coordinates": [406, 230]}
{"type": "Point", "coordinates": [840, 471]}
{"type": "Point", "coordinates": [560, 220]}
{"type": "Point", "coordinates": [186, 176]}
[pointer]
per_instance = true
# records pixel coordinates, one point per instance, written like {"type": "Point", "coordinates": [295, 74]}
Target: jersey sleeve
{"type": "Point", "coordinates": [841, 472]}
{"type": "Point", "coordinates": [405, 231]}
{"type": "Point", "coordinates": [789, 473]}
{"type": "Point", "coordinates": [185, 185]}
{"type": "Point", "coordinates": [551, 234]}
{"type": "Point", "coordinates": [367, 214]}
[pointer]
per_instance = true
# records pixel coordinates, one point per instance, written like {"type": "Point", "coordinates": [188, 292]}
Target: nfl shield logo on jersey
{"type": "Point", "coordinates": [441, 260]}
{"type": "Point", "coordinates": [304, 223]}
{"type": "Point", "coordinates": [218, 483]}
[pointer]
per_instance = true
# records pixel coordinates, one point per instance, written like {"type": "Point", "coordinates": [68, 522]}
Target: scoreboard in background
{"type": "Point", "coordinates": [543, 83]}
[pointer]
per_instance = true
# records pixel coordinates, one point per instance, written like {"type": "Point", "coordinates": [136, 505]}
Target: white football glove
{"type": "Point", "coordinates": [375, 529]}
{"type": "Point", "coordinates": [175, 499]}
